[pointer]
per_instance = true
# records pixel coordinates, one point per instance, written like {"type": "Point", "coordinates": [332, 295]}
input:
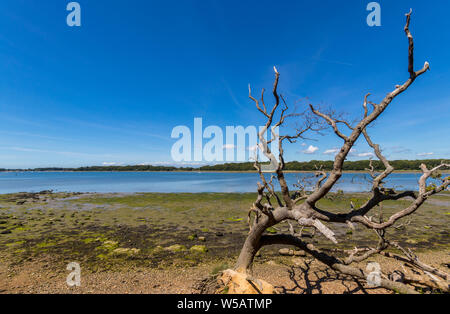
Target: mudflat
{"type": "Point", "coordinates": [169, 243]}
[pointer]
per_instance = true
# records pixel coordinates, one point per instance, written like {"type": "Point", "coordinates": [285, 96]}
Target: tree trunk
{"type": "Point", "coordinates": [250, 248]}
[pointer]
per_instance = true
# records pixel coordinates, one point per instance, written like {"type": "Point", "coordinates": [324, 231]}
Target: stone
{"type": "Point", "coordinates": [239, 283]}
{"type": "Point", "coordinates": [199, 249]}
{"type": "Point", "coordinates": [176, 248]}
{"type": "Point", "coordinates": [110, 245]}
{"type": "Point", "coordinates": [158, 249]}
{"type": "Point", "coordinates": [300, 253]}
{"type": "Point", "coordinates": [192, 237]}
{"type": "Point", "coordinates": [126, 252]}
{"type": "Point", "coordinates": [286, 252]}
{"type": "Point", "coordinates": [202, 239]}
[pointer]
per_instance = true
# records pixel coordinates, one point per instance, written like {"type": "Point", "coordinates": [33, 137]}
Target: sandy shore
{"type": "Point", "coordinates": [289, 275]}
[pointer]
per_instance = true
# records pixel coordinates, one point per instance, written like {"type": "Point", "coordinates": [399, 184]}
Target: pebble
{"type": "Point", "coordinates": [290, 252]}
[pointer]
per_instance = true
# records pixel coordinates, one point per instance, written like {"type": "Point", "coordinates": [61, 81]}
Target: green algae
{"type": "Point", "coordinates": [101, 230]}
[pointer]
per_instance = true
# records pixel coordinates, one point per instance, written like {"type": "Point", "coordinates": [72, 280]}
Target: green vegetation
{"type": "Point", "coordinates": [360, 165]}
{"type": "Point", "coordinates": [157, 230]}
{"type": "Point", "coordinates": [105, 168]}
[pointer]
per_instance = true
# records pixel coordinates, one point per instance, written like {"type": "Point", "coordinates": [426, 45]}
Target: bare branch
{"type": "Point", "coordinates": [330, 121]}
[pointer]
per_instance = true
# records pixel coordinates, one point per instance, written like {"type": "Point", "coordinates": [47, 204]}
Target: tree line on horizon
{"type": "Point", "coordinates": [312, 165]}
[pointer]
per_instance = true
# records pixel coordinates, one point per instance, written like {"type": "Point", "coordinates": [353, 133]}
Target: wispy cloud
{"type": "Point", "coordinates": [400, 150]}
{"type": "Point", "coordinates": [66, 153]}
{"type": "Point", "coordinates": [332, 61]}
{"type": "Point", "coordinates": [353, 152]}
{"type": "Point", "coordinates": [229, 147]}
{"type": "Point", "coordinates": [33, 135]}
{"type": "Point", "coordinates": [425, 154]}
{"type": "Point", "coordinates": [365, 155]}
{"type": "Point", "coordinates": [332, 151]}
{"type": "Point", "coordinates": [23, 121]}
{"type": "Point", "coordinates": [231, 93]}
{"type": "Point", "coordinates": [125, 130]}
{"type": "Point", "coordinates": [175, 164]}
{"type": "Point", "coordinates": [111, 164]}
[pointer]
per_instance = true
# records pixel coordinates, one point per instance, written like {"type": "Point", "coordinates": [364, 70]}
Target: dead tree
{"type": "Point", "coordinates": [272, 208]}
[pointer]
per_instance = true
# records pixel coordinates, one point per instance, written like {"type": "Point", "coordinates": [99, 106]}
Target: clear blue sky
{"type": "Point", "coordinates": [111, 90]}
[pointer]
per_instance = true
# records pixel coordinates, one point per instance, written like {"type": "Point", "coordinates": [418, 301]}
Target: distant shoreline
{"type": "Point", "coordinates": [360, 166]}
{"type": "Point", "coordinates": [199, 171]}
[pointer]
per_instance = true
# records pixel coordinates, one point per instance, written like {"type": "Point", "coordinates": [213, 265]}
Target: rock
{"type": "Point", "coordinates": [159, 248]}
{"type": "Point", "coordinates": [199, 249]}
{"type": "Point", "coordinates": [110, 245]}
{"type": "Point", "coordinates": [219, 234]}
{"type": "Point", "coordinates": [202, 239]}
{"type": "Point", "coordinates": [176, 248]}
{"type": "Point", "coordinates": [286, 252]}
{"type": "Point", "coordinates": [238, 283]}
{"type": "Point", "coordinates": [126, 252]}
{"type": "Point", "coordinates": [300, 253]}
{"type": "Point", "coordinates": [192, 237]}
{"type": "Point", "coordinates": [289, 252]}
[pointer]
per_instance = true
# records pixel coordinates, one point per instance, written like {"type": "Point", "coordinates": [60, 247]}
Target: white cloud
{"type": "Point", "coordinates": [229, 146]}
{"type": "Point", "coordinates": [174, 164]}
{"type": "Point", "coordinates": [303, 144]}
{"type": "Point", "coordinates": [310, 150]}
{"type": "Point", "coordinates": [425, 154]}
{"type": "Point", "coordinates": [353, 152]}
{"type": "Point", "coordinates": [110, 164]}
{"type": "Point", "coordinates": [253, 148]}
{"type": "Point", "coordinates": [365, 155]}
{"type": "Point", "coordinates": [155, 163]}
{"type": "Point", "coordinates": [333, 151]}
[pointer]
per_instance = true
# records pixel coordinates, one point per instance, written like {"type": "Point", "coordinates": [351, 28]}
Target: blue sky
{"type": "Point", "coordinates": [112, 90]}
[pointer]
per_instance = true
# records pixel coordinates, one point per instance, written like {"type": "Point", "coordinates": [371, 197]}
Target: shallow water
{"type": "Point", "coordinates": [174, 182]}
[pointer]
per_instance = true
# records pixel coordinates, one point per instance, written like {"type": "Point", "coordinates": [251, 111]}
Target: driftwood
{"type": "Point", "coordinates": [301, 206]}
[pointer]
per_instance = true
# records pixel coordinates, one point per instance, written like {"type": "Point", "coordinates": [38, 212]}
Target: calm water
{"type": "Point", "coordinates": [171, 182]}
